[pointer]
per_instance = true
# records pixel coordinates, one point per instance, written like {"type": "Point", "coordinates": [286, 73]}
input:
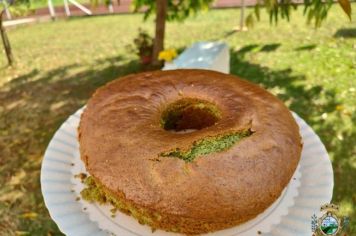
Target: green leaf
{"type": "Point", "coordinates": [346, 6]}
{"type": "Point", "coordinates": [176, 10]}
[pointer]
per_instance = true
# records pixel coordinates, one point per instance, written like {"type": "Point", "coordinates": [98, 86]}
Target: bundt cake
{"type": "Point", "coordinates": [189, 151]}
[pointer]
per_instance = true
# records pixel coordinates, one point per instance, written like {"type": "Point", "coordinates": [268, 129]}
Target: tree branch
{"type": "Point", "coordinates": [5, 39]}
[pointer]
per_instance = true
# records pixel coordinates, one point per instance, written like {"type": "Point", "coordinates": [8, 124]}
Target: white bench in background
{"type": "Point", "coordinates": [203, 55]}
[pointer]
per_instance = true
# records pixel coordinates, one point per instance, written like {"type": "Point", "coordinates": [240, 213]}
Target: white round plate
{"type": "Point", "coordinates": [310, 187]}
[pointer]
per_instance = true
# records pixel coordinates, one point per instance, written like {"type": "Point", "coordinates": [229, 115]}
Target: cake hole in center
{"type": "Point", "coordinates": [189, 114]}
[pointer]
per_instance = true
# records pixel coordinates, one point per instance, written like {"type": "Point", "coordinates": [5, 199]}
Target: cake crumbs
{"type": "Point", "coordinates": [72, 164]}
{"type": "Point", "coordinates": [113, 210]}
{"type": "Point", "coordinates": [81, 176]}
{"type": "Point", "coordinates": [259, 232]}
{"type": "Point", "coordinates": [77, 199]}
{"type": "Point", "coordinates": [84, 209]}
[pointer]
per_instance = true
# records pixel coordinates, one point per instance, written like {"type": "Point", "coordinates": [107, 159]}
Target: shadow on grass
{"type": "Point", "coordinates": [306, 47]}
{"type": "Point", "coordinates": [319, 107]}
{"type": "Point", "coordinates": [346, 33]}
{"type": "Point", "coordinates": [33, 106]}
{"type": "Point", "coordinates": [228, 34]}
{"type": "Point", "coordinates": [270, 47]}
{"type": "Point", "coordinates": [258, 48]}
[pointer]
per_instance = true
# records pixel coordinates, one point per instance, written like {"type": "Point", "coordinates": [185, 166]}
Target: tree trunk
{"type": "Point", "coordinates": [6, 43]}
{"type": "Point", "coordinates": [242, 17]}
{"type": "Point", "coordinates": [161, 11]}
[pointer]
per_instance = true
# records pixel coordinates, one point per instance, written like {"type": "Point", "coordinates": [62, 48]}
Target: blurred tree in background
{"type": "Point", "coordinates": [4, 38]}
{"type": "Point", "coordinates": [170, 10]}
{"type": "Point", "coordinates": [314, 10]}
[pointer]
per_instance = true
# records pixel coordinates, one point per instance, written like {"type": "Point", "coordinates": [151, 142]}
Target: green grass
{"type": "Point", "coordinates": [60, 64]}
{"type": "Point", "coordinates": [22, 9]}
{"type": "Point", "coordinates": [37, 4]}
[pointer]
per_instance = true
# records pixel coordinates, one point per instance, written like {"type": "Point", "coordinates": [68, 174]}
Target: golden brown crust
{"type": "Point", "coordinates": [121, 138]}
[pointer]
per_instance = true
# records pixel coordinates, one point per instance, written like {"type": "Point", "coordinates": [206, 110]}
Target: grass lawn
{"type": "Point", "coordinates": [21, 9]}
{"type": "Point", "coordinates": [60, 64]}
{"type": "Point", "coordinates": [37, 4]}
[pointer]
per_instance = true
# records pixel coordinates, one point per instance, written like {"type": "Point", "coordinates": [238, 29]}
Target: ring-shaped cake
{"type": "Point", "coordinates": [189, 151]}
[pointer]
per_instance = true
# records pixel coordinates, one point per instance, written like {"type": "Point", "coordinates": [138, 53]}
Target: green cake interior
{"type": "Point", "coordinates": [208, 145]}
{"type": "Point", "coordinates": [94, 192]}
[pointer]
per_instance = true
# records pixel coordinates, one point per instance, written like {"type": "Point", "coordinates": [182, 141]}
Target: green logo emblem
{"type": "Point", "coordinates": [330, 223]}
